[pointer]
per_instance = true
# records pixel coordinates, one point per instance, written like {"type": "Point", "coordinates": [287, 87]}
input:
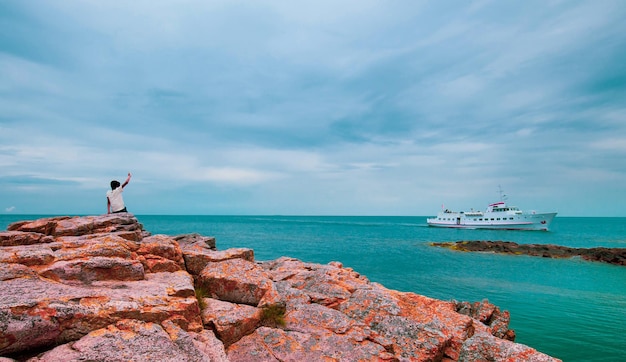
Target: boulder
{"type": "Point", "coordinates": [132, 340]}
{"type": "Point", "coordinates": [14, 271]}
{"type": "Point", "coordinates": [229, 320]}
{"type": "Point", "coordinates": [37, 312]}
{"type": "Point", "coordinates": [486, 347]}
{"type": "Point", "coordinates": [235, 280]}
{"type": "Point", "coordinates": [111, 245]}
{"type": "Point", "coordinates": [323, 284]}
{"type": "Point", "coordinates": [27, 255]}
{"type": "Point", "coordinates": [44, 226]}
{"type": "Point", "coordinates": [272, 344]}
{"type": "Point", "coordinates": [187, 240]}
{"type": "Point", "coordinates": [93, 269]}
{"type": "Point", "coordinates": [315, 317]}
{"type": "Point", "coordinates": [123, 223]}
{"type": "Point", "coordinates": [160, 253]}
{"type": "Point", "coordinates": [197, 256]}
{"type": "Point", "coordinates": [416, 328]}
{"type": "Point", "coordinates": [489, 315]}
{"type": "Point", "coordinates": [12, 238]}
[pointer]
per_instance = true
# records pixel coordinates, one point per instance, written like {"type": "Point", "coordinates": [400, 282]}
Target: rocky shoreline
{"type": "Point", "coordinates": [101, 288]}
{"type": "Point", "coordinates": [615, 256]}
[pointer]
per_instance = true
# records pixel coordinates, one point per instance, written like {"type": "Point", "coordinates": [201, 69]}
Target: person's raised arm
{"type": "Point", "coordinates": [127, 180]}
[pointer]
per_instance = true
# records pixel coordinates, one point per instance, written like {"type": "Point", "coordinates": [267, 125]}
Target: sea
{"type": "Point", "coordinates": [571, 309]}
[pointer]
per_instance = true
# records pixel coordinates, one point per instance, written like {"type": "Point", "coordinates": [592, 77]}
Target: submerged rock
{"type": "Point", "coordinates": [101, 288]}
{"type": "Point", "coordinates": [616, 256]}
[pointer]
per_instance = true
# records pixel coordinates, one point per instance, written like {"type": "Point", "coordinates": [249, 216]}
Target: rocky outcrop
{"type": "Point", "coordinates": [100, 288]}
{"type": "Point", "coordinates": [616, 256]}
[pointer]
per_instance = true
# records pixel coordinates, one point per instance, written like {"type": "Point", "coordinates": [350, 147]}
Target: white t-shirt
{"type": "Point", "coordinates": [115, 198]}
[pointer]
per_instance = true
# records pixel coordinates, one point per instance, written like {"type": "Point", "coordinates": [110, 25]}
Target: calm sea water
{"type": "Point", "coordinates": [571, 309]}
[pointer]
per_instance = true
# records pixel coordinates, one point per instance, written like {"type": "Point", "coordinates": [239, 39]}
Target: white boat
{"type": "Point", "coordinates": [497, 216]}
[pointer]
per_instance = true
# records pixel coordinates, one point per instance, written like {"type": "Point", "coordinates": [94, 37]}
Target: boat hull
{"type": "Point", "coordinates": [539, 222]}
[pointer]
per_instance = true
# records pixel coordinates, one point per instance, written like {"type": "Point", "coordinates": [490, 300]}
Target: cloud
{"type": "Point", "coordinates": [613, 145]}
{"type": "Point", "coordinates": [10, 209]}
{"type": "Point", "coordinates": [324, 107]}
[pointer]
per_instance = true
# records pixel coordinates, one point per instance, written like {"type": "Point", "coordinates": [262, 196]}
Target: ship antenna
{"type": "Point", "coordinates": [503, 197]}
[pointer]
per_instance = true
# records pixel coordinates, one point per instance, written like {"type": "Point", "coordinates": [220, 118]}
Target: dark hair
{"type": "Point", "coordinates": [115, 184]}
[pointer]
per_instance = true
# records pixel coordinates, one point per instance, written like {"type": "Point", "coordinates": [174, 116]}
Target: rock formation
{"type": "Point", "coordinates": [616, 256]}
{"type": "Point", "coordinates": [100, 288]}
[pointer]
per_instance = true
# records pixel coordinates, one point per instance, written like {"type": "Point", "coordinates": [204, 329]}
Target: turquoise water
{"type": "Point", "coordinates": [571, 309]}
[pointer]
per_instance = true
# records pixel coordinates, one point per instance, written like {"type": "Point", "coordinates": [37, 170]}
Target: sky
{"type": "Point", "coordinates": [313, 107]}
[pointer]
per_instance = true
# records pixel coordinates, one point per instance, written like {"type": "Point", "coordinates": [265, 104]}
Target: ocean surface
{"type": "Point", "coordinates": [568, 308]}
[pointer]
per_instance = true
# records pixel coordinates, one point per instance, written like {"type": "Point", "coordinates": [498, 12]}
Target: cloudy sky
{"type": "Point", "coordinates": [313, 108]}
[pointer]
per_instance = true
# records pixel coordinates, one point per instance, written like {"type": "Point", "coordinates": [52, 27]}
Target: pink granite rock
{"type": "Point", "coordinates": [12, 238]}
{"type": "Point", "coordinates": [324, 284]}
{"type": "Point", "coordinates": [107, 245]}
{"type": "Point", "coordinates": [486, 347]}
{"type": "Point", "coordinates": [189, 240]}
{"type": "Point", "coordinates": [489, 315]}
{"type": "Point", "coordinates": [235, 280]}
{"type": "Point", "coordinates": [125, 223]}
{"type": "Point", "coordinates": [58, 291]}
{"type": "Point", "coordinates": [132, 340]}
{"type": "Point", "coordinates": [210, 345]}
{"type": "Point", "coordinates": [36, 312]}
{"type": "Point", "coordinates": [271, 344]}
{"type": "Point", "coordinates": [414, 327]}
{"type": "Point", "coordinates": [28, 255]}
{"type": "Point", "coordinates": [92, 269]}
{"type": "Point", "coordinates": [197, 256]}
{"type": "Point", "coordinates": [160, 253]}
{"type": "Point", "coordinates": [230, 321]}
{"type": "Point", "coordinates": [101, 288]}
{"type": "Point", "coordinates": [44, 226]}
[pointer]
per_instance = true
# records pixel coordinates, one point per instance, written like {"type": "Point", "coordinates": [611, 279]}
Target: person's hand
{"type": "Point", "coordinates": [129, 175]}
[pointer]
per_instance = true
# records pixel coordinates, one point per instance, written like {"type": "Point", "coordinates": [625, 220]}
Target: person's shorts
{"type": "Point", "coordinates": [118, 211]}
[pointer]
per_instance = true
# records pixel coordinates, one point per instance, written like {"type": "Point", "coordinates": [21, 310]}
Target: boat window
{"type": "Point", "coordinates": [491, 219]}
{"type": "Point", "coordinates": [498, 218]}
